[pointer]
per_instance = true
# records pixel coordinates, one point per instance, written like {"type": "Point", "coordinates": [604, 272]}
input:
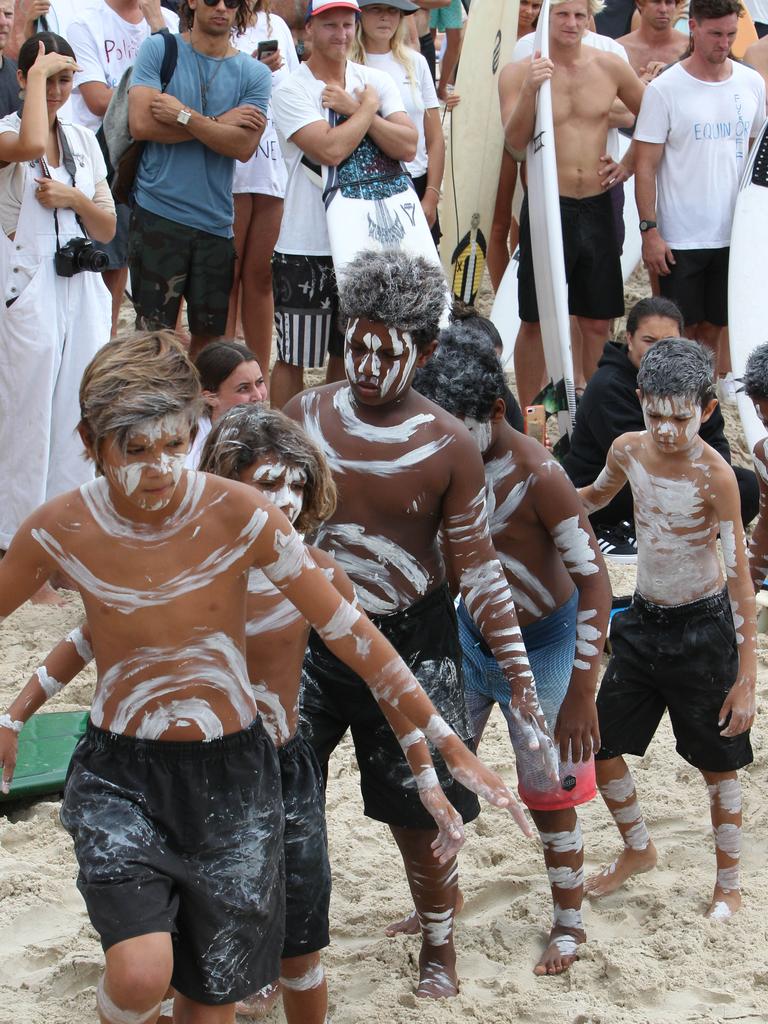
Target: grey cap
{"type": "Point", "coordinates": [401, 5]}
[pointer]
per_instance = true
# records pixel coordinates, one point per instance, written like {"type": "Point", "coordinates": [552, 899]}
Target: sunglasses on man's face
{"type": "Point", "coordinates": [231, 5]}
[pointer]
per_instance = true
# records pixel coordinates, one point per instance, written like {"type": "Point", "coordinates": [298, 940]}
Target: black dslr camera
{"type": "Point", "coordinates": [77, 255]}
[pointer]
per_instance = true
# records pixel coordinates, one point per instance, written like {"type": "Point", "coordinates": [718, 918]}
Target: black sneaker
{"type": "Point", "coordinates": [618, 543]}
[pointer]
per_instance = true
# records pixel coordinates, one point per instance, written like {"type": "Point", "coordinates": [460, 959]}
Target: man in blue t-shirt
{"type": "Point", "coordinates": [212, 113]}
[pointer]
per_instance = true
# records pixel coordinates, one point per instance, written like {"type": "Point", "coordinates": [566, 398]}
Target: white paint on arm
{"type": "Point", "coordinates": [49, 685]}
{"type": "Point", "coordinates": [575, 547]}
{"type": "Point", "coordinates": [77, 638]}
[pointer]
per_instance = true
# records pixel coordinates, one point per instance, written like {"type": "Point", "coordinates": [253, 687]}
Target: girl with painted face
{"type": "Point", "coordinates": [259, 189]}
{"type": "Point", "coordinates": [54, 197]}
{"type": "Point", "coordinates": [230, 375]}
{"type": "Point", "coordinates": [380, 42]}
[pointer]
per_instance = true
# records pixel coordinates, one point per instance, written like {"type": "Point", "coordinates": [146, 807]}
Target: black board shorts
{"type": "Point", "coordinates": [698, 283]}
{"type": "Point", "coordinates": [335, 699]}
{"type": "Point", "coordinates": [682, 659]}
{"type": "Point", "coordinates": [185, 838]}
{"type": "Point", "coordinates": [592, 260]}
{"type": "Point", "coordinates": [307, 871]}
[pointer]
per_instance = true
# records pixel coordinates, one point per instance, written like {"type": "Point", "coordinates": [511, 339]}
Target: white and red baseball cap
{"type": "Point", "coordinates": [318, 6]}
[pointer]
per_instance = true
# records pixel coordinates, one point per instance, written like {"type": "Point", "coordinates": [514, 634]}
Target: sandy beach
{"type": "Point", "coordinates": [651, 957]}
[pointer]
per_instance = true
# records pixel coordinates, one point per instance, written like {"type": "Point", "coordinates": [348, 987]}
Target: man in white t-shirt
{"type": "Point", "coordinates": [691, 143]}
{"type": "Point", "coordinates": [106, 40]}
{"type": "Point", "coordinates": [306, 300]}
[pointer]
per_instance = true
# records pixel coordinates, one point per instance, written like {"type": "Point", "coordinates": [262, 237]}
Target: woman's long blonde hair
{"type": "Point", "coordinates": [266, 7]}
{"type": "Point", "coordinates": [398, 47]}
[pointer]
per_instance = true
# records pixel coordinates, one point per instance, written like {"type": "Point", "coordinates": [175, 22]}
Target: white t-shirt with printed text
{"type": "Point", "coordinates": [265, 172]}
{"type": "Point", "coordinates": [416, 97]}
{"type": "Point", "coordinates": [705, 128]}
{"type": "Point", "coordinates": [105, 46]}
{"type": "Point", "coordinates": [296, 103]}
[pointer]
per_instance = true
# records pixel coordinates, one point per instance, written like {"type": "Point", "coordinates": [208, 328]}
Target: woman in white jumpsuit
{"type": "Point", "coordinates": [50, 325]}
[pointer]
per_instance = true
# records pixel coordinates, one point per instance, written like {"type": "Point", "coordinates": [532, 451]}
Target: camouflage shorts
{"type": "Point", "coordinates": [169, 261]}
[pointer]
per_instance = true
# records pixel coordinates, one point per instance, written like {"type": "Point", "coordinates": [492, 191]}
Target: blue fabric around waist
{"type": "Point", "coordinates": [558, 626]}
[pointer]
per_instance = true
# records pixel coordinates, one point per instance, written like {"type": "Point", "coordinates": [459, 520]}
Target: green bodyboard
{"type": "Point", "coordinates": [46, 744]}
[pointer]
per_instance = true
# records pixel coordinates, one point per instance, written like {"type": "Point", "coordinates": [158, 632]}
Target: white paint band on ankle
{"type": "Point", "coordinates": [312, 979]}
{"type": "Point", "coordinates": [117, 1016]}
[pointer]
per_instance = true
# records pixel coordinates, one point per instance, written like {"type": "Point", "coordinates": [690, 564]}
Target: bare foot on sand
{"type": "Point", "coordinates": [260, 1003]}
{"type": "Point", "coordinates": [409, 925]}
{"type": "Point", "coordinates": [437, 979]}
{"type": "Point", "coordinates": [724, 904]}
{"type": "Point", "coordinates": [47, 595]}
{"type": "Point", "coordinates": [561, 951]}
{"type": "Point", "coordinates": [629, 862]}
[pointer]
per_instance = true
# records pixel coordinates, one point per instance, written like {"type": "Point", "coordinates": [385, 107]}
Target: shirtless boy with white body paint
{"type": "Point", "coordinates": [755, 385]}
{"type": "Point", "coordinates": [586, 85]}
{"type": "Point", "coordinates": [404, 470]}
{"type": "Point", "coordinates": [173, 794]}
{"type": "Point", "coordinates": [687, 643]}
{"type": "Point", "coordinates": [270, 452]}
{"type": "Point", "coordinates": [563, 598]}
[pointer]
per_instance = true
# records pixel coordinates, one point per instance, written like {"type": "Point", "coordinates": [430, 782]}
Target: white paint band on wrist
{"type": "Point", "coordinates": [6, 722]}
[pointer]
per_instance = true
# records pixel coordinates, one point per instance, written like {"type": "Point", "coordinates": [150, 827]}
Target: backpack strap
{"type": "Point", "coordinates": [170, 59]}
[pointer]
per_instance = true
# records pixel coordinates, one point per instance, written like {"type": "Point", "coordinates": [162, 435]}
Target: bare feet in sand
{"type": "Point", "coordinates": [260, 1003]}
{"type": "Point", "coordinates": [629, 862]}
{"type": "Point", "coordinates": [561, 951]}
{"type": "Point", "coordinates": [437, 979]}
{"type": "Point", "coordinates": [409, 925]}
{"type": "Point", "coordinates": [724, 904]}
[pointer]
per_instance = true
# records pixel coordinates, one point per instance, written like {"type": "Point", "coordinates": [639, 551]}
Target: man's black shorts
{"type": "Point", "coordinates": [335, 699]}
{"type": "Point", "coordinates": [307, 871]}
{"type": "Point", "coordinates": [169, 261]}
{"type": "Point", "coordinates": [592, 260]}
{"type": "Point", "coordinates": [185, 838]}
{"type": "Point", "coordinates": [682, 659]}
{"type": "Point", "coordinates": [698, 283]}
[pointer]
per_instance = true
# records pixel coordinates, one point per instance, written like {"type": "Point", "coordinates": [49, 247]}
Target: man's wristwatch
{"type": "Point", "coordinates": [645, 225]}
{"type": "Point", "coordinates": [183, 116]}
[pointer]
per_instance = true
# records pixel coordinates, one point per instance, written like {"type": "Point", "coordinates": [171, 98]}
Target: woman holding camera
{"type": "Point", "coordinates": [259, 189]}
{"type": "Point", "coordinates": [55, 207]}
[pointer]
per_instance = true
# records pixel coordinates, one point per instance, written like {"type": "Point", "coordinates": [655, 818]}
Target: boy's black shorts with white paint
{"type": "Point", "coordinates": [185, 838]}
{"type": "Point", "coordinates": [334, 699]}
{"type": "Point", "coordinates": [307, 871]}
{"type": "Point", "coordinates": [682, 659]}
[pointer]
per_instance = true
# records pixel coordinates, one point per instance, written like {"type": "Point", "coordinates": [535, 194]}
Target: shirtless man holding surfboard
{"type": "Point", "coordinates": [586, 85]}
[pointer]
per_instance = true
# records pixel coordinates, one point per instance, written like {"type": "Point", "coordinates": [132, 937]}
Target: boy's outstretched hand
{"type": "Point", "coordinates": [476, 777]}
{"type": "Point", "coordinates": [9, 748]}
{"type": "Point", "coordinates": [450, 827]}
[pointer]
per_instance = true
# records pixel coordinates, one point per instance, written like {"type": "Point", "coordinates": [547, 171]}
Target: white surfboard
{"type": "Point", "coordinates": [475, 144]}
{"type": "Point", "coordinates": [747, 293]}
{"type": "Point", "coordinates": [547, 244]}
{"type": "Point", "coordinates": [370, 203]}
{"type": "Point", "coordinates": [505, 313]}
{"type": "Point", "coordinates": [633, 241]}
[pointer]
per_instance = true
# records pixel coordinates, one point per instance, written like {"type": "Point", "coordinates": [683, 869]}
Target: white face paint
{"type": "Point", "coordinates": [149, 470]}
{"type": "Point", "coordinates": [482, 433]}
{"type": "Point", "coordinates": [672, 422]}
{"type": "Point", "coordinates": [378, 360]}
{"type": "Point", "coordinates": [282, 484]}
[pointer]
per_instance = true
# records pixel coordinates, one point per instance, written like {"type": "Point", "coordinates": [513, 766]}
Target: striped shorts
{"type": "Point", "coordinates": [306, 309]}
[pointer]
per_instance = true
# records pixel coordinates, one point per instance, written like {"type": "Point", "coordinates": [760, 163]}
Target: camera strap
{"type": "Point", "coordinates": [68, 159]}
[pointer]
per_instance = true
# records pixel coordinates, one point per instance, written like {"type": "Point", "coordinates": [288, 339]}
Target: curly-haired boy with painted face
{"type": "Point", "coordinates": [687, 643]}
{"type": "Point", "coordinates": [173, 795]}
{"type": "Point", "coordinates": [405, 470]}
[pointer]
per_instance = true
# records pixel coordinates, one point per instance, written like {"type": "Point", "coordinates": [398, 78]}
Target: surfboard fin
{"type": "Point", "coordinates": [468, 261]}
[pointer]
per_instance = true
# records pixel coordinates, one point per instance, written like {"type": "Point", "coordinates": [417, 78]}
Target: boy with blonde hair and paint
{"type": "Point", "coordinates": [560, 586]}
{"type": "Point", "coordinates": [173, 795]}
{"type": "Point", "coordinates": [687, 644]}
